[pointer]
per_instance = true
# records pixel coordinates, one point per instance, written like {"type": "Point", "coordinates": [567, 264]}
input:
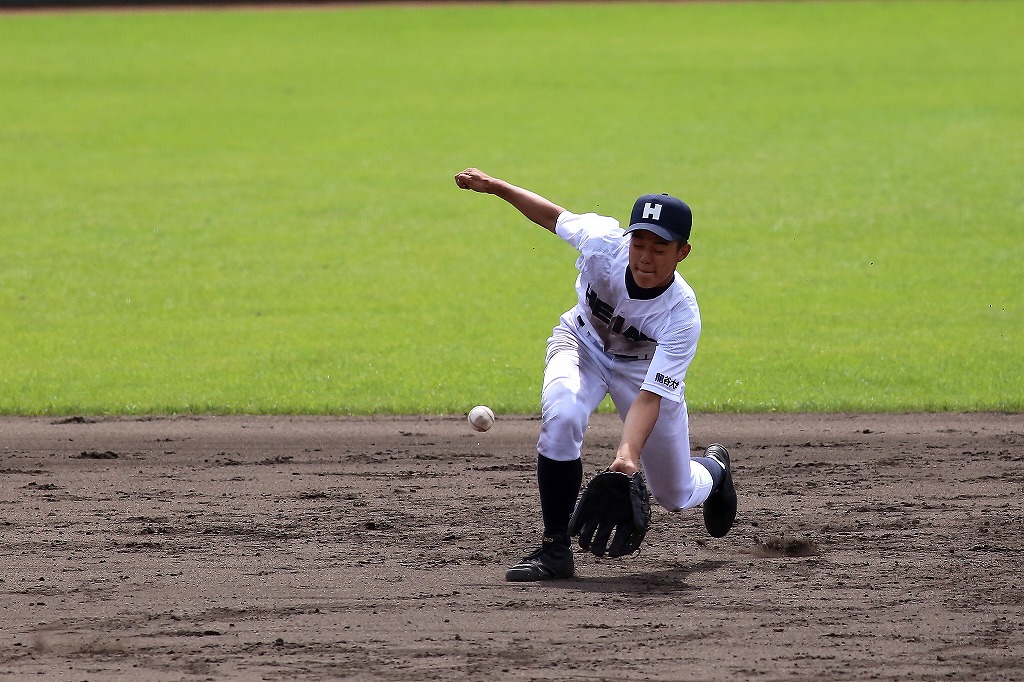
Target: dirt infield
{"type": "Point", "coordinates": [867, 547]}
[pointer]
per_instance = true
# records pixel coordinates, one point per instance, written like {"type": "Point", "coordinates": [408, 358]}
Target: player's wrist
{"type": "Point", "coordinates": [625, 463]}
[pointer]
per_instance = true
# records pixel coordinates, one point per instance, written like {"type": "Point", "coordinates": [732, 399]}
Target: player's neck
{"type": "Point", "coordinates": [636, 291]}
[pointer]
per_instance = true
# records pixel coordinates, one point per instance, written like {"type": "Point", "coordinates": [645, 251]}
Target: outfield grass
{"type": "Point", "coordinates": [253, 212]}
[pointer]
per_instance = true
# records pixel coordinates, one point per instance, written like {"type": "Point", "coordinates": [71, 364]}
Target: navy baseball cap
{"type": "Point", "coordinates": [662, 214]}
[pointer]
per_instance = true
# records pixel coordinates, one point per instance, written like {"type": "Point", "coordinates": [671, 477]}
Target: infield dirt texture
{"type": "Point", "coordinates": [867, 547]}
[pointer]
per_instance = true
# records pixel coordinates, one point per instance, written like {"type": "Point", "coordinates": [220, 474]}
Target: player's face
{"type": "Point", "coordinates": [653, 260]}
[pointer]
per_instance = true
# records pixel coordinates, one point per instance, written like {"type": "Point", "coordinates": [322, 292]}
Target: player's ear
{"type": "Point", "coordinates": [684, 251]}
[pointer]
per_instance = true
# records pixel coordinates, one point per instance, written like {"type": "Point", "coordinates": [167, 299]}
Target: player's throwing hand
{"type": "Point", "coordinates": [474, 179]}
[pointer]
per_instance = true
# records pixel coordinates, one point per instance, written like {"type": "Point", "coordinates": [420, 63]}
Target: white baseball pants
{"type": "Point", "coordinates": [577, 377]}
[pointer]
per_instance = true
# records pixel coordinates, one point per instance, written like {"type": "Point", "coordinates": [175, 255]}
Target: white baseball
{"type": "Point", "coordinates": [481, 418]}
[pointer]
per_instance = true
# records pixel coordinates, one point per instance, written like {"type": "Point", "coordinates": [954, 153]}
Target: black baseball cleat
{"type": "Point", "coordinates": [720, 507]}
{"type": "Point", "coordinates": [552, 561]}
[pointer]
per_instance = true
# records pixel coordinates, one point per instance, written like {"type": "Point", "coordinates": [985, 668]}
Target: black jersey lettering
{"type": "Point", "coordinates": [671, 383]}
{"type": "Point", "coordinates": [635, 335]}
{"type": "Point", "coordinates": [604, 312]}
{"type": "Point", "coordinates": [599, 308]}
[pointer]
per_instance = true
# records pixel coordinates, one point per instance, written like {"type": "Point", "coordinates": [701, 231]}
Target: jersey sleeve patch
{"type": "Point", "coordinates": [666, 386]}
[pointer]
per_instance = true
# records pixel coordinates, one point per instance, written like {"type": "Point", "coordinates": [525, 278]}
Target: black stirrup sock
{"type": "Point", "coordinates": [559, 485]}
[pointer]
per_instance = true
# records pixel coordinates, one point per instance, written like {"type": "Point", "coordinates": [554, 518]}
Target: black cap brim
{"type": "Point", "coordinates": [667, 235]}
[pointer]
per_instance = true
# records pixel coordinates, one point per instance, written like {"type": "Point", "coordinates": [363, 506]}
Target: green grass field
{"type": "Point", "coordinates": [253, 211]}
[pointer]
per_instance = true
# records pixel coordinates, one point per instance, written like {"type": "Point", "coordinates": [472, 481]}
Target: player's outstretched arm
{"type": "Point", "coordinates": [532, 205]}
{"type": "Point", "coordinates": [636, 429]}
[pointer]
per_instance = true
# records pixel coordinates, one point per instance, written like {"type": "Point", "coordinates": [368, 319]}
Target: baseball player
{"type": "Point", "coordinates": [631, 335]}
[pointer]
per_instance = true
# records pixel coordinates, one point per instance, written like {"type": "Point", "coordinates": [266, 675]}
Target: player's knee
{"type": "Point", "coordinates": [561, 432]}
{"type": "Point", "coordinates": [671, 498]}
{"type": "Point", "coordinates": [562, 408]}
{"type": "Point", "coordinates": [671, 505]}
{"type": "Point", "coordinates": [572, 423]}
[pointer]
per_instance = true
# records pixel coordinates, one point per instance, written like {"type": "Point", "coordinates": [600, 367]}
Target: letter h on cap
{"type": "Point", "coordinates": [652, 211]}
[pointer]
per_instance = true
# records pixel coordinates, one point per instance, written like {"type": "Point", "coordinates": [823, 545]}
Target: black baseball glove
{"type": "Point", "coordinates": [612, 501]}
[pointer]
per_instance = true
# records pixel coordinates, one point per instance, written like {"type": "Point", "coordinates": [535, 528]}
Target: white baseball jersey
{"type": "Point", "coordinates": [663, 330]}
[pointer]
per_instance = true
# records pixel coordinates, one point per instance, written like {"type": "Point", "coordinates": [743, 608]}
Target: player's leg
{"type": "Point", "coordinates": [573, 388]}
{"type": "Point", "coordinates": [685, 481]}
{"type": "Point", "coordinates": [574, 385]}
